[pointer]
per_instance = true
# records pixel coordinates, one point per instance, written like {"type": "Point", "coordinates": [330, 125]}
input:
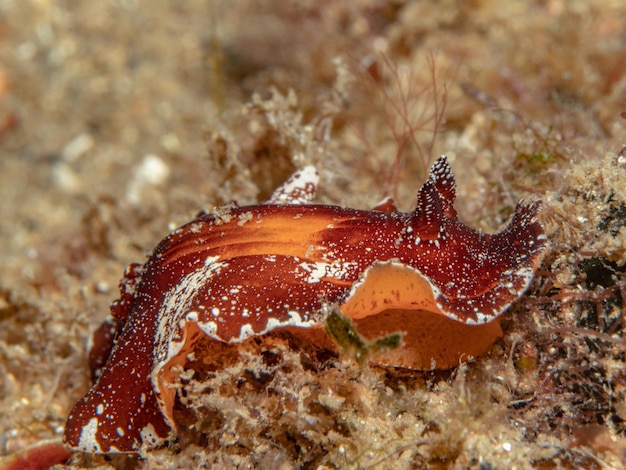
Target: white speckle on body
{"type": "Point", "coordinates": [87, 441]}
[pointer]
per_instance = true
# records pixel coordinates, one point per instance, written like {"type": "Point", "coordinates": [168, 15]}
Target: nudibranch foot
{"type": "Point", "coordinates": [240, 272]}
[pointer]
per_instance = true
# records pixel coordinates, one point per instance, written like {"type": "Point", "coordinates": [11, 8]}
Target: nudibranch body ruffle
{"type": "Point", "coordinates": [239, 272]}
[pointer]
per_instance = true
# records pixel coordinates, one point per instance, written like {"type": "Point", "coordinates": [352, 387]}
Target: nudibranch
{"type": "Point", "coordinates": [238, 272]}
